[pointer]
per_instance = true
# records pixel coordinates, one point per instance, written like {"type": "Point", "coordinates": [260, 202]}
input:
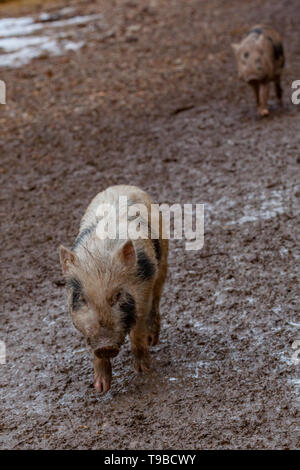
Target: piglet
{"type": "Point", "coordinates": [260, 60]}
{"type": "Point", "coordinates": [115, 283]}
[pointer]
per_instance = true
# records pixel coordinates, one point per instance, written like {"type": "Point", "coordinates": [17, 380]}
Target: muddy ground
{"type": "Point", "coordinates": [152, 99]}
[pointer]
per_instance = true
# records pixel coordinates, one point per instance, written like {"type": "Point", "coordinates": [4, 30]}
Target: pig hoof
{"type": "Point", "coordinates": [152, 339]}
{"type": "Point", "coordinates": [264, 112]}
{"type": "Point", "coordinates": [101, 384]}
{"type": "Point", "coordinates": [142, 365]}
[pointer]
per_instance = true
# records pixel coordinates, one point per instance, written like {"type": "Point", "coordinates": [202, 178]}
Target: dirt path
{"type": "Point", "coordinates": [152, 99]}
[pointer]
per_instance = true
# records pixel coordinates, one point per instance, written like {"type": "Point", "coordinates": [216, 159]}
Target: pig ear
{"type": "Point", "coordinates": [67, 258]}
{"type": "Point", "coordinates": [235, 48]}
{"type": "Point", "coordinates": [128, 254]}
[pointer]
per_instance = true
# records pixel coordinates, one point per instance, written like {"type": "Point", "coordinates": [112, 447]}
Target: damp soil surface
{"type": "Point", "coordinates": [152, 99]}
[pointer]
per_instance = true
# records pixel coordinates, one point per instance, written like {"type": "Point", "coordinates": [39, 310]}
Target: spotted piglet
{"type": "Point", "coordinates": [260, 60]}
{"type": "Point", "coordinates": [115, 282]}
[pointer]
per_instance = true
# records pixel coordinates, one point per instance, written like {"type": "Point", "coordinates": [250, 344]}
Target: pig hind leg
{"type": "Point", "coordinates": [153, 322]}
{"type": "Point", "coordinates": [102, 374]}
{"type": "Point", "coordinates": [140, 346]}
{"type": "Point", "coordinates": [278, 89]}
{"type": "Point", "coordinates": [255, 87]}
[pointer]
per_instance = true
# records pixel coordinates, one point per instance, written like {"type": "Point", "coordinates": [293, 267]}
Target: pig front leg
{"type": "Point", "coordinates": [263, 99]}
{"type": "Point", "coordinates": [102, 374]}
{"type": "Point", "coordinates": [140, 346]}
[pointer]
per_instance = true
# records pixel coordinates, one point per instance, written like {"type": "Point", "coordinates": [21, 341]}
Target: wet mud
{"type": "Point", "coordinates": [152, 99]}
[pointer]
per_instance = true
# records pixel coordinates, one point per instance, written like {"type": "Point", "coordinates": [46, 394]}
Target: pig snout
{"type": "Point", "coordinates": [107, 352]}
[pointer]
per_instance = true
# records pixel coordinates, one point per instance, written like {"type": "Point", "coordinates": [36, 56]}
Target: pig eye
{"type": "Point", "coordinates": [77, 297]}
{"type": "Point", "coordinates": [115, 297]}
{"type": "Point", "coordinates": [246, 54]}
{"type": "Point", "coordinates": [78, 301]}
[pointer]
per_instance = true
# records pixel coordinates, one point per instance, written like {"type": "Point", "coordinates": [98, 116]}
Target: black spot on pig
{"type": "Point", "coordinates": [82, 235]}
{"type": "Point", "coordinates": [128, 309]}
{"type": "Point", "coordinates": [278, 51]}
{"type": "Point", "coordinates": [256, 30]}
{"type": "Point", "coordinates": [77, 293]}
{"type": "Point", "coordinates": [146, 268]}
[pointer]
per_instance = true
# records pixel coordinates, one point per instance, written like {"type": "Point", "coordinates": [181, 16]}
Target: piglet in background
{"type": "Point", "coordinates": [260, 60]}
{"type": "Point", "coordinates": [115, 283]}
